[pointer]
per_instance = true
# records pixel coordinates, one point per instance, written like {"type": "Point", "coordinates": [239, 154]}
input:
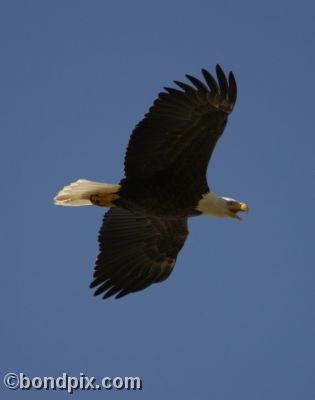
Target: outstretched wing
{"type": "Point", "coordinates": [181, 129]}
{"type": "Point", "coordinates": [135, 251]}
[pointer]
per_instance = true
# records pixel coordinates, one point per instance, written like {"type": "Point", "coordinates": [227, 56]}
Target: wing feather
{"type": "Point", "coordinates": [222, 82]}
{"type": "Point", "coordinates": [213, 86]}
{"type": "Point", "coordinates": [232, 94]}
{"type": "Point", "coordinates": [135, 251]}
{"type": "Point", "coordinates": [199, 85]}
{"type": "Point", "coordinates": [181, 129]}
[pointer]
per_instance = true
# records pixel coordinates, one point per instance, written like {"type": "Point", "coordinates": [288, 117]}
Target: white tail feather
{"type": "Point", "coordinates": [78, 193]}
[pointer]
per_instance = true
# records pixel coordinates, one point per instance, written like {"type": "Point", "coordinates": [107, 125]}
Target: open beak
{"type": "Point", "coordinates": [239, 207]}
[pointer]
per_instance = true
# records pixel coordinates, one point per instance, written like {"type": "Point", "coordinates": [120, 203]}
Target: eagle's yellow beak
{"type": "Point", "coordinates": [244, 207]}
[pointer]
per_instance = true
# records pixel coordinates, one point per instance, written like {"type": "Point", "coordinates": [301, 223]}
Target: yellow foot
{"type": "Point", "coordinates": [103, 199]}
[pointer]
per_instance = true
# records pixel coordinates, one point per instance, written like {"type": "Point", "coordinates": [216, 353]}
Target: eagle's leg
{"type": "Point", "coordinates": [103, 199]}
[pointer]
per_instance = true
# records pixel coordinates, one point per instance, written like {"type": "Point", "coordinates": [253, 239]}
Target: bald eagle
{"type": "Point", "coordinates": [164, 184]}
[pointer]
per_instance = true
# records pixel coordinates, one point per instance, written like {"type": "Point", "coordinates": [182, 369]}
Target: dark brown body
{"type": "Point", "coordinates": [161, 196]}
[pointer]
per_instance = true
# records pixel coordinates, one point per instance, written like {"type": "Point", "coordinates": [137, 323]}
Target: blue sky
{"type": "Point", "coordinates": [236, 318]}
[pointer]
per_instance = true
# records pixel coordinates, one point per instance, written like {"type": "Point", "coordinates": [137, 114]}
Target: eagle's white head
{"type": "Point", "coordinates": [223, 207]}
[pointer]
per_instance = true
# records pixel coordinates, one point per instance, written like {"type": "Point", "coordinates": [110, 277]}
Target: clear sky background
{"type": "Point", "coordinates": [236, 318]}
